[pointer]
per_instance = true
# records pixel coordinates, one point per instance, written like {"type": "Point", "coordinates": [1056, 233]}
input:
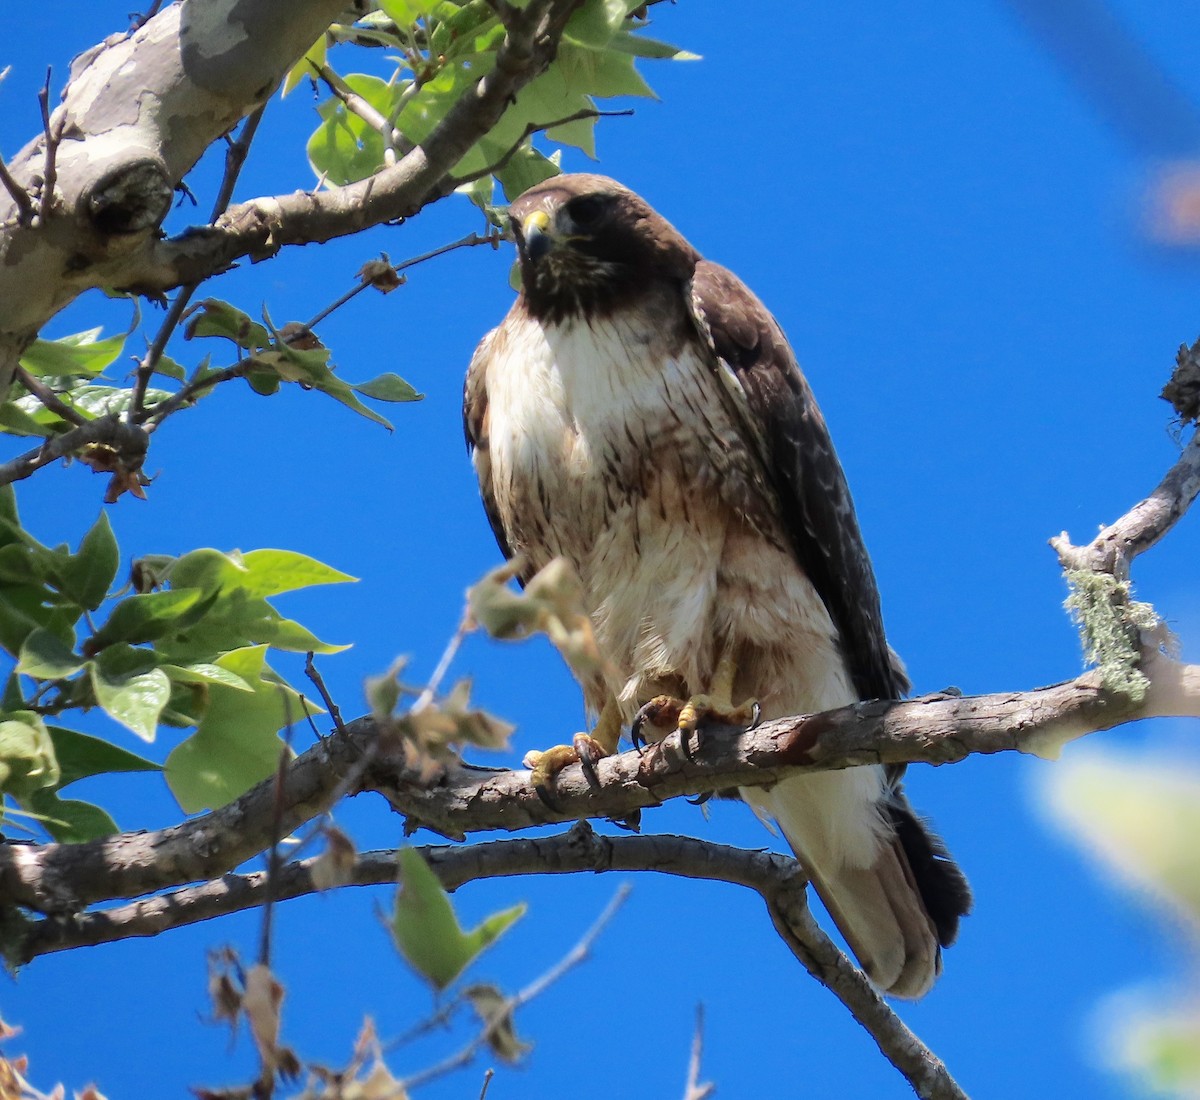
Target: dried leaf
{"type": "Point", "coordinates": [381, 275]}
{"type": "Point", "coordinates": [495, 1012]}
{"type": "Point", "coordinates": [262, 1002]}
{"type": "Point", "coordinates": [335, 865]}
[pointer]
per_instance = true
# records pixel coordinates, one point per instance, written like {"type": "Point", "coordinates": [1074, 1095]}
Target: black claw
{"type": "Point", "coordinates": [685, 742]}
{"type": "Point", "coordinates": [755, 716]}
{"type": "Point", "coordinates": [700, 799]}
{"type": "Point", "coordinates": [589, 770]}
{"type": "Point", "coordinates": [635, 729]}
{"type": "Point", "coordinates": [543, 792]}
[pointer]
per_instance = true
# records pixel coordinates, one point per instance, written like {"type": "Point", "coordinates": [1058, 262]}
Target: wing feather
{"type": "Point", "coordinates": [475, 428]}
{"type": "Point", "coordinates": [775, 404]}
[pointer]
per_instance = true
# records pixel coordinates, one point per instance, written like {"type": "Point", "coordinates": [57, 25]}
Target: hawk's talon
{"type": "Point", "coordinates": [755, 715]}
{"type": "Point", "coordinates": [663, 712]}
{"type": "Point", "coordinates": [590, 752]}
{"type": "Point", "coordinates": [584, 750]}
{"type": "Point", "coordinates": [699, 800]}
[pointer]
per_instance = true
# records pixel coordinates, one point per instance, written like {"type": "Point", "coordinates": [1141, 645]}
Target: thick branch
{"type": "Point", "coordinates": [260, 227]}
{"type": "Point", "coordinates": [778, 879]}
{"type": "Point", "coordinates": [935, 729]}
{"type": "Point", "coordinates": [137, 113]}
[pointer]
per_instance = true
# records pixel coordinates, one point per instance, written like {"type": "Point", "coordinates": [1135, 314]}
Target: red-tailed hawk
{"type": "Point", "coordinates": [640, 413]}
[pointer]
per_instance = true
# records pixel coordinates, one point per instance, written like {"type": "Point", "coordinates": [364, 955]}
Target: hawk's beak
{"type": "Point", "coordinates": [535, 231]}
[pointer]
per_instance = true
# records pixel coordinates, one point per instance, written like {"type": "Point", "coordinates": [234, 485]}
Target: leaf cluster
{"type": "Point", "coordinates": [184, 645]}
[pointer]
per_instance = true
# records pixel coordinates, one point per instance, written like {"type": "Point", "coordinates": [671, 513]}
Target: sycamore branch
{"type": "Point", "coordinates": [116, 174]}
{"type": "Point", "coordinates": [934, 729]}
{"type": "Point", "coordinates": [261, 227]}
{"type": "Point", "coordinates": [777, 879]}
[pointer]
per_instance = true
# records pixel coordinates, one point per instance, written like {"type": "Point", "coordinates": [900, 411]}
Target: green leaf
{"type": "Point", "coordinates": [388, 387]}
{"type": "Point", "coordinates": [526, 168]}
{"type": "Point", "coordinates": [237, 742]}
{"type": "Point", "coordinates": [202, 672]}
{"type": "Point", "coordinates": [16, 421]}
{"type": "Point", "coordinates": [68, 820]}
{"type": "Point", "coordinates": [87, 576]}
{"type": "Point", "coordinates": [44, 656]}
{"type": "Point", "coordinates": [269, 572]}
{"type": "Point", "coordinates": [27, 760]}
{"type": "Point", "coordinates": [81, 354]}
{"type": "Point", "coordinates": [81, 756]}
{"type": "Point", "coordinates": [217, 318]}
{"type": "Point", "coordinates": [426, 930]}
{"type": "Point", "coordinates": [147, 616]}
{"type": "Point", "coordinates": [134, 698]}
{"type": "Point", "coordinates": [97, 401]}
{"type": "Point", "coordinates": [641, 46]}
{"type": "Point", "coordinates": [594, 24]}
{"type": "Point", "coordinates": [169, 368]}
{"type": "Point", "coordinates": [313, 59]}
{"type": "Point", "coordinates": [345, 149]}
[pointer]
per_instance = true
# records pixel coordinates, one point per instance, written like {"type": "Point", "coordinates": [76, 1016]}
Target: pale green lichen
{"type": "Point", "coordinates": [1111, 624]}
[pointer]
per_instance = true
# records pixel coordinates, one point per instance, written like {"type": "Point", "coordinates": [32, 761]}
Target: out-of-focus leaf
{"type": "Point", "coordinates": [27, 760]}
{"type": "Point", "coordinates": [44, 656]}
{"type": "Point", "coordinates": [68, 820]}
{"type": "Point", "coordinates": [1140, 819]}
{"type": "Point", "coordinates": [80, 756]}
{"type": "Point", "coordinates": [426, 930]}
{"type": "Point", "coordinates": [495, 1013]}
{"type": "Point", "coordinates": [334, 866]}
{"type": "Point", "coordinates": [313, 59]}
{"type": "Point", "coordinates": [147, 616]}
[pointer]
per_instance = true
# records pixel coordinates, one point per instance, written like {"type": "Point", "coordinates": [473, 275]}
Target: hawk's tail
{"type": "Point", "coordinates": [898, 905]}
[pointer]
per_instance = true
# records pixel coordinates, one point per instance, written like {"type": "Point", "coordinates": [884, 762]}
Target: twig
{"type": "Point", "coordinates": [49, 398]}
{"type": "Point", "coordinates": [124, 438]}
{"type": "Point", "coordinates": [531, 129]}
{"type": "Point", "coordinates": [488, 1074]}
{"type": "Point", "coordinates": [443, 666]}
{"type": "Point", "coordinates": [274, 858]}
{"type": "Point", "coordinates": [1143, 525]}
{"type": "Point", "coordinates": [154, 354]}
{"type": "Point", "coordinates": [694, 1089]}
{"type": "Point", "coordinates": [50, 172]}
{"type": "Point", "coordinates": [310, 670]}
{"type": "Point", "coordinates": [573, 958]}
{"type": "Point", "coordinates": [235, 158]}
{"type": "Point", "coordinates": [356, 105]}
{"type": "Point", "coordinates": [19, 195]}
{"type": "Point", "coordinates": [154, 417]}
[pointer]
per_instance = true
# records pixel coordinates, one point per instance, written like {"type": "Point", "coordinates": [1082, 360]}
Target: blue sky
{"type": "Point", "coordinates": [947, 228]}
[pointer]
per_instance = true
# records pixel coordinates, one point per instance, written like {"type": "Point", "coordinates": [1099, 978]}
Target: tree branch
{"type": "Point", "coordinates": [778, 879]}
{"type": "Point", "coordinates": [261, 227]}
{"type": "Point", "coordinates": [1142, 526]}
{"type": "Point", "coordinates": [935, 729]}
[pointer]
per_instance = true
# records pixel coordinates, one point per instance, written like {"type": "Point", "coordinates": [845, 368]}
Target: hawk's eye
{"type": "Point", "coordinates": [586, 211]}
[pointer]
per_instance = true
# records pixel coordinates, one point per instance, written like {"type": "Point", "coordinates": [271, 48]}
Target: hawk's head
{"type": "Point", "coordinates": [587, 245]}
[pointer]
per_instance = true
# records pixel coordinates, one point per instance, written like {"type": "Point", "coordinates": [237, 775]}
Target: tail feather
{"type": "Point", "coordinates": [896, 899]}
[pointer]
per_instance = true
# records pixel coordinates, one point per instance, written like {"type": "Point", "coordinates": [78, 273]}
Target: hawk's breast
{"type": "Point", "coordinates": [610, 443]}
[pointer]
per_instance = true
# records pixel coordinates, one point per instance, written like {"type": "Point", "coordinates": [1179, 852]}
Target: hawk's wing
{"type": "Point", "coordinates": [778, 410]}
{"type": "Point", "coordinates": [475, 428]}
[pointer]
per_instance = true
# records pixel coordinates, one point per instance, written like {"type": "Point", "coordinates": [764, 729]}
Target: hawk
{"type": "Point", "coordinates": [641, 414]}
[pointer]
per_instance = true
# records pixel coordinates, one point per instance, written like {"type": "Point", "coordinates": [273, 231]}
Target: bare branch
{"type": "Point", "coordinates": [18, 194]}
{"type": "Point", "coordinates": [1143, 525]}
{"type": "Point", "coordinates": [49, 398]}
{"type": "Point", "coordinates": [778, 879]}
{"type": "Point", "coordinates": [935, 729]}
{"type": "Point", "coordinates": [126, 439]}
{"type": "Point", "coordinates": [261, 227]}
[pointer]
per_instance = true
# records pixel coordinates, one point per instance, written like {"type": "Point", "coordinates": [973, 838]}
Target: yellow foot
{"type": "Point", "coordinates": [665, 714]}
{"type": "Point", "coordinates": [547, 763]}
